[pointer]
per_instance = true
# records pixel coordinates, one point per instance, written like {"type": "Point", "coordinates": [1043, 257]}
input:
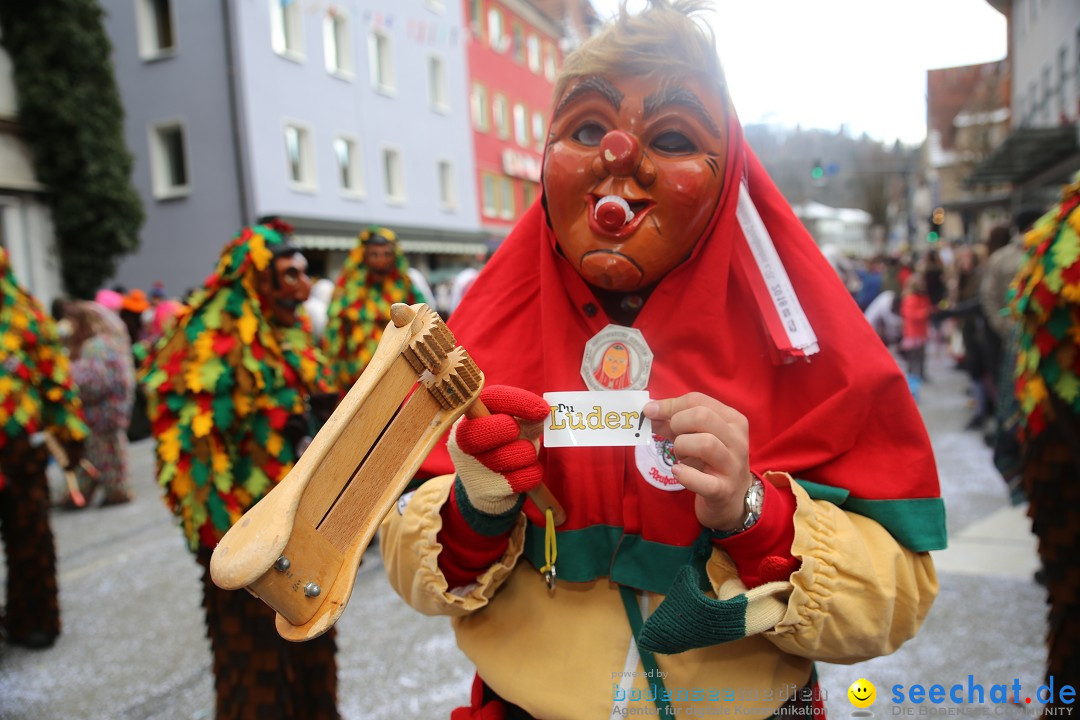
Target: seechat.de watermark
{"type": "Point", "coordinates": [975, 698]}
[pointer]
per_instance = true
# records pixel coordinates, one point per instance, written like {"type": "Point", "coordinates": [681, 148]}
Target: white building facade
{"type": "Point", "coordinates": [26, 229]}
{"type": "Point", "coordinates": [332, 114]}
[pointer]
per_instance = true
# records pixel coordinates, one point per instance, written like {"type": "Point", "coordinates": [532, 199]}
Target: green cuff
{"type": "Point", "coordinates": [688, 618]}
{"type": "Point", "coordinates": [481, 522]}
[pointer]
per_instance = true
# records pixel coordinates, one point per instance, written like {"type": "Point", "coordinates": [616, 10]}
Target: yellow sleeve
{"type": "Point", "coordinates": [410, 551]}
{"type": "Point", "coordinates": [858, 593]}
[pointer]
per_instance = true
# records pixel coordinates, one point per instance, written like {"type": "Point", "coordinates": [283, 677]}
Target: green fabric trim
{"type": "Point", "coordinates": [605, 551]}
{"type": "Point", "coordinates": [917, 523]}
{"type": "Point", "coordinates": [481, 522]}
{"type": "Point", "coordinates": [648, 660]}
{"type": "Point", "coordinates": [688, 618]}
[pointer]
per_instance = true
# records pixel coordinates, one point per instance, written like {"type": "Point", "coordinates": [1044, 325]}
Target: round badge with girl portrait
{"type": "Point", "coordinates": [617, 358]}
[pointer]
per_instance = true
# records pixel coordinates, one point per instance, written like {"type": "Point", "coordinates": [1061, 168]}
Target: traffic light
{"type": "Point", "coordinates": [817, 170]}
{"type": "Point", "coordinates": [937, 219]}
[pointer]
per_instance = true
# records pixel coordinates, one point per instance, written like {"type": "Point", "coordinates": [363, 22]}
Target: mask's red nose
{"type": "Point", "coordinates": [612, 212]}
{"type": "Point", "coordinates": [621, 153]}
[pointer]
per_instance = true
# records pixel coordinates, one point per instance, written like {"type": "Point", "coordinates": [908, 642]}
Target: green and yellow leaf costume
{"type": "Point", "coordinates": [36, 391]}
{"type": "Point", "coordinates": [220, 386]}
{"type": "Point", "coordinates": [1047, 304]}
{"type": "Point", "coordinates": [360, 309]}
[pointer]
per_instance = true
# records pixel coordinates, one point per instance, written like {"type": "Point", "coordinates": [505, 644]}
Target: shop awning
{"type": "Point", "coordinates": [409, 245]}
{"type": "Point", "coordinates": [1027, 152]}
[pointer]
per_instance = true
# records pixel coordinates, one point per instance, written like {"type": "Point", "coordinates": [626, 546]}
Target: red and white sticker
{"type": "Point", "coordinates": [654, 462]}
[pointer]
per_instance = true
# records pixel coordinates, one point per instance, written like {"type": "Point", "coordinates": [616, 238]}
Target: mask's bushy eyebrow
{"type": "Point", "coordinates": [678, 95]}
{"type": "Point", "coordinates": [593, 84]}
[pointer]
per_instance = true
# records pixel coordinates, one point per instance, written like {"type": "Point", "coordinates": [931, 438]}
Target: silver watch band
{"type": "Point", "coordinates": [753, 503]}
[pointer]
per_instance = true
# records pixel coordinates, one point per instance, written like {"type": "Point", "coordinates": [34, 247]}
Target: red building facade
{"type": "Point", "coordinates": [514, 56]}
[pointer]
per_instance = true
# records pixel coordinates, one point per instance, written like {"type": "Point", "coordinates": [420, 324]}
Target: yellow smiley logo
{"type": "Point", "coordinates": [862, 693]}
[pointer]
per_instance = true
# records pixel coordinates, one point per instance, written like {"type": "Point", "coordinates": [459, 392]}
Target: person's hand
{"type": "Point", "coordinates": [712, 446]}
{"type": "Point", "coordinates": [495, 456]}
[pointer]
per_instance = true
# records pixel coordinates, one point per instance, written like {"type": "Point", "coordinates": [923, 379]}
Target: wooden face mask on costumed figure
{"type": "Point", "coordinates": [284, 286]}
{"type": "Point", "coordinates": [632, 175]}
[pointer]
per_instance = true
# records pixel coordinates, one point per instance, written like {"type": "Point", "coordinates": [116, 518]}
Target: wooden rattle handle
{"type": "Point", "coordinates": [540, 495]}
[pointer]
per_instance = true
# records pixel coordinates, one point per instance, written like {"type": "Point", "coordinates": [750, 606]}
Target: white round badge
{"type": "Point", "coordinates": [654, 462]}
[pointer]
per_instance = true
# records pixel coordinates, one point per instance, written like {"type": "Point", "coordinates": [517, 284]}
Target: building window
{"type": "Point", "coordinates": [393, 176]}
{"type": "Point", "coordinates": [156, 28]}
{"type": "Point", "coordinates": [538, 130]}
{"type": "Point", "coordinates": [382, 62]}
{"type": "Point", "coordinates": [550, 69]}
{"type": "Point", "coordinates": [447, 186]}
{"type": "Point", "coordinates": [287, 28]}
{"type": "Point", "coordinates": [337, 43]}
{"type": "Point", "coordinates": [438, 92]}
{"type": "Point", "coordinates": [528, 192]}
{"type": "Point", "coordinates": [476, 18]}
{"type": "Point", "coordinates": [300, 158]}
{"type": "Point", "coordinates": [481, 112]}
{"type": "Point", "coordinates": [506, 198]}
{"type": "Point", "coordinates": [518, 39]}
{"type": "Point", "coordinates": [168, 160]}
{"type": "Point", "coordinates": [521, 127]}
{"type": "Point", "coordinates": [532, 47]}
{"type": "Point", "coordinates": [498, 196]}
{"type": "Point", "coordinates": [1076, 71]}
{"type": "Point", "coordinates": [501, 116]}
{"type": "Point", "coordinates": [1062, 55]}
{"type": "Point", "coordinates": [496, 32]}
{"type": "Point", "coordinates": [488, 192]}
{"type": "Point", "coordinates": [350, 169]}
{"type": "Point", "coordinates": [1046, 94]}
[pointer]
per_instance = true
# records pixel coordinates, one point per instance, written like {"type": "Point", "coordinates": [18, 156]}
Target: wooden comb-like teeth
{"type": "Point", "coordinates": [458, 381]}
{"type": "Point", "coordinates": [428, 348]}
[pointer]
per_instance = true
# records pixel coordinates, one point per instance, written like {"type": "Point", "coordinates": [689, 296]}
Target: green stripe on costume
{"type": "Point", "coordinates": [481, 522]}
{"type": "Point", "coordinates": [648, 659]}
{"type": "Point", "coordinates": [605, 551]}
{"type": "Point", "coordinates": [918, 523]}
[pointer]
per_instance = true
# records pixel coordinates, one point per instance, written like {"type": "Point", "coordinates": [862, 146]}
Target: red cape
{"type": "Point", "coordinates": [844, 418]}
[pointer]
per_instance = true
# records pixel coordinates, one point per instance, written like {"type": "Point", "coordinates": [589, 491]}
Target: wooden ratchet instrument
{"type": "Point", "coordinates": [299, 548]}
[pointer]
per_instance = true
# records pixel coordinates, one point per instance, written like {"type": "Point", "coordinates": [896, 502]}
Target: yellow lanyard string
{"type": "Point", "coordinates": [551, 550]}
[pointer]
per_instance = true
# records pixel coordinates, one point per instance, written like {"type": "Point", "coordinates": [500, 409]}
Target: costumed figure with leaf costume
{"type": "Point", "coordinates": [374, 277]}
{"type": "Point", "coordinates": [784, 509]}
{"type": "Point", "coordinates": [36, 395]}
{"type": "Point", "coordinates": [230, 390]}
{"type": "Point", "coordinates": [1047, 307]}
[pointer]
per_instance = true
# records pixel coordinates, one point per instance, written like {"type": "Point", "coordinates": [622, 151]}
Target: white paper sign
{"type": "Point", "coordinates": [597, 419]}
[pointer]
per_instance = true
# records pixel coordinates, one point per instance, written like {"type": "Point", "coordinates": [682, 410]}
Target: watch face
{"type": "Point", "coordinates": [757, 497]}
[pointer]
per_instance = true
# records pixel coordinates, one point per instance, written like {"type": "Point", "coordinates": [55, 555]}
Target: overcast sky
{"type": "Point", "coordinates": [863, 63]}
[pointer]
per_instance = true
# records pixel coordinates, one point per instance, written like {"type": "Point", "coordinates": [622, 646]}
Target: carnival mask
{"type": "Point", "coordinates": [379, 259]}
{"type": "Point", "coordinates": [285, 286]}
{"type": "Point", "coordinates": [632, 175]}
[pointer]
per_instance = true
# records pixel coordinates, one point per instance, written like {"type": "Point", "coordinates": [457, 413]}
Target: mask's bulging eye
{"type": "Point", "coordinates": [589, 134]}
{"type": "Point", "coordinates": [673, 143]}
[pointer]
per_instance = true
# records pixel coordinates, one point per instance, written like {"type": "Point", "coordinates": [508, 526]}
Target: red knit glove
{"type": "Point", "coordinates": [495, 456]}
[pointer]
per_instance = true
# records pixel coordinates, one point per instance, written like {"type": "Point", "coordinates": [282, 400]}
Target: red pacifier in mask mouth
{"type": "Point", "coordinates": [613, 212]}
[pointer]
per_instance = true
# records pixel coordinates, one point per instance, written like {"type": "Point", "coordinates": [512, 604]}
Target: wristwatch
{"type": "Point", "coordinates": [755, 499]}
